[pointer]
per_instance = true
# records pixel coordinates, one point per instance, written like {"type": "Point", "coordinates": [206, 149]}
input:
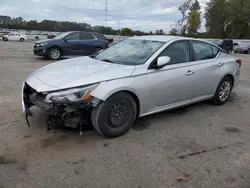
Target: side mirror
{"type": "Point", "coordinates": [162, 61]}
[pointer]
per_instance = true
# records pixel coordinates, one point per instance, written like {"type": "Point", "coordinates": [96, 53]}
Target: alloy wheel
{"type": "Point", "coordinates": [225, 90]}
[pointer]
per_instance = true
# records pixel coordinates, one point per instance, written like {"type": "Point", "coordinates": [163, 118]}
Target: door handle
{"type": "Point", "coordinates": [220, 64]}
{"type": "Point", "coordinates": [189, 72]}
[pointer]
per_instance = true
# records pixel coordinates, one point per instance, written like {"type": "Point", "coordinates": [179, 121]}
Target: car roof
{"type": "Point", "coordinates": [162, 38]}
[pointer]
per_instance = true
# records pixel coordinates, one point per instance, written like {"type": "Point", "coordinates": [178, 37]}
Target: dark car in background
{"type": "Point", "coordinates": [242, 48]}
{"type": "Point", "coordinates": [226, 45]}
{"type": "Point", "coordinates": [72, 43]}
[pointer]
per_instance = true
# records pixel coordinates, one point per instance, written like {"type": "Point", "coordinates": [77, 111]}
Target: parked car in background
{"type": "Point", "coordinates": [51, 36]}
{"type": "Point", "coordinates": [2, 33]}
{"type": "Point", "coordinates": [243, 48]}
{"type": "Point", "coordinates": [14, 37]}
{"type": "Point", "coordinates": [226, 44]}
{"type": "Point", "coordinates": [136, 77]}
{"type": "Point", "coordinates": [71, 44]}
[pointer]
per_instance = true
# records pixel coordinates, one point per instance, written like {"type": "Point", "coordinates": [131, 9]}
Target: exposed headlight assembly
{"type": "Point", "coordinates": [73, 95]}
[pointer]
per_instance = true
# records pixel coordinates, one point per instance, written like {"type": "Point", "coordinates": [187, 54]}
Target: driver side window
{"type": "Point", "coordinates": [178, 52]}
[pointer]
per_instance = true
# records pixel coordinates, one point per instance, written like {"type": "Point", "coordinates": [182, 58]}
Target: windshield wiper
{"type": "Point", "coordinates": [107, 60]}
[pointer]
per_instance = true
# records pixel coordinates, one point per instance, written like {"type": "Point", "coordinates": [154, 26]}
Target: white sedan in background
{"type": "Point", "coordinates": [14, 37]}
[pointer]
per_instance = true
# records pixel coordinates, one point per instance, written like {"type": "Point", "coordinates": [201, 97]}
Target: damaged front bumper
{"type": "Point", "coordinates": [71, 113]}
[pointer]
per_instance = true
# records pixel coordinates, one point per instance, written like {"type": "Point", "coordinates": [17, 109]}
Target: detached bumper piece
{"type": "Point", "coordinates": [60, 114]}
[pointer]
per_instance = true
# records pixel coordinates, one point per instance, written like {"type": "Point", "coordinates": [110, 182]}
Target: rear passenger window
{"type": "Point", "coordinates": [202, 50]}
{"type": "Point", "coordinates": [178, 52]}
{"type": "Point", "coordinates": [99, 36]}
{"type": "Point", "coordinates": [86, 36]}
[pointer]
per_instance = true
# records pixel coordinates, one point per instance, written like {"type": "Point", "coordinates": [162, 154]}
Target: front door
{"type": "Point", "coordinates": [173, 83]}
{"type": "Point", "coordinates": [71, 43]}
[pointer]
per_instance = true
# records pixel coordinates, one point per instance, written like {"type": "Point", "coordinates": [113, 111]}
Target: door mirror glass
{"type": "Point", "coordinates": [162, 61]}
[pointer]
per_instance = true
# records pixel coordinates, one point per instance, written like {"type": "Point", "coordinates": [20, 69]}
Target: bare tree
{"type": "Point", "coordinates": [184, 8]}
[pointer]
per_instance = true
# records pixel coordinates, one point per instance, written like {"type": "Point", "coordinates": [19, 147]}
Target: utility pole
{"type": "Point", "coordinates": [118, 27]}
{"type": "Point", "coordinates": [106, 13]}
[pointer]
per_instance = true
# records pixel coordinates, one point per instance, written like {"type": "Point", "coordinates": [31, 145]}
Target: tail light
{"type": "Point", "coordinates": [107, 42]}
{"type": "Point", "coordinates": [239, 61]}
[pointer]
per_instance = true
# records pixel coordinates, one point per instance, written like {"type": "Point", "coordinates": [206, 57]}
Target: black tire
{"type": "Point", "coordinates": [217, 100]}
{"type": "Point", "coordinates": [5, 39]}
{"type": "Point", "coordinates": [97, 50]}
{"type": "Point", "coordinates": [21, 39]}
{"type": "Point", "coordinates": [104, 115]}
{"type": "Point", "coordinates": [54, 50]}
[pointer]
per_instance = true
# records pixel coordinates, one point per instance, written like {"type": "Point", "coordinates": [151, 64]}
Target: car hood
{"type": "Point", "coordinates": [45, 41]}
{"type": "Point", "coordinates": [76, 72]}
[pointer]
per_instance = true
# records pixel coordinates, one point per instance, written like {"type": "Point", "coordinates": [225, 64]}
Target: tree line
{"type": "Point", "coordinates": [56, 26]}
{"type": "Point", "coordinates": [223, 19]}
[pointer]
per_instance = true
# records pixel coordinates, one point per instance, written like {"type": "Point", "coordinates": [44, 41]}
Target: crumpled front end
{"type": "Point", "coordinates": [60, 113]}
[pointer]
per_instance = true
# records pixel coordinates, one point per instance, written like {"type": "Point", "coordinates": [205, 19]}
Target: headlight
{"type": "Point", "coordinates": [78, 94]}
{"type": "Point", "coordinates": [42, 44]}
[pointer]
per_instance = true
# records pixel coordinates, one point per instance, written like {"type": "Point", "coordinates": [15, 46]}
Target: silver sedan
{"type": "Point", "coordinates": [131, 79]}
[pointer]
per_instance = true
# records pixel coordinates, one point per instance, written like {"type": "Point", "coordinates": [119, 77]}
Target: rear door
{"type": "Point", "coordinates": [207, 69]}
{"type": "Point", "coordinates": [17, 36]}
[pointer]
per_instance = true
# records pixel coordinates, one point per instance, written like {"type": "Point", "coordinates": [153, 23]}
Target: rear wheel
{"type": "Point", "coordinates": [115, 116]}
{"type": "Point", "coordinates": [223, 91]}
{"type": "Point", "coordinates": [5, 39]}
{"type": "Point", "coordinates": [21, 39]}
{"type": "Point", "coordinates": [54, 53]}
{"type": "Point", "coordinates": [97, 50]}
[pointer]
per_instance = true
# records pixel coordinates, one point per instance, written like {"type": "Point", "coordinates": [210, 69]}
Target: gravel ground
{"type": "Point", "coordinates": [192, 147]}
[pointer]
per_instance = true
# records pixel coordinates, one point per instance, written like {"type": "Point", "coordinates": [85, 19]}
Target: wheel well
{"type": "Point", "coordinates": [134, 96]}
{"type": "Point", "coordinates": [231, 77]}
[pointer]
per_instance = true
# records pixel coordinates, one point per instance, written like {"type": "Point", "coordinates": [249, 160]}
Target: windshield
{"type": "Point", "coordinates": [130, 52]}
{"type": "Point", "coordinates": [61, 35]}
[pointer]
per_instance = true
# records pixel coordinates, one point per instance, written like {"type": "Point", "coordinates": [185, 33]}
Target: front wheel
{"type": "Point", "coordinates": [54, 54]}
{"type": "Point", "coordinates": [5, 39]}
{"type": "Point", "coordinates": [223, 91]}
{"type": "Point", "coordinates": [115, 116]}
{"type": "Point", "coordinates": [21, 39]}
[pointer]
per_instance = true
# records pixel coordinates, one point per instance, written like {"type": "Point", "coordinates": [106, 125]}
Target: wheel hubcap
{"type": "Point", "coordinates": [55, 54]}
{"type": "Point", "coordinates": [118, 114]}
{"type": "Point", "coordinates": [225, 90]}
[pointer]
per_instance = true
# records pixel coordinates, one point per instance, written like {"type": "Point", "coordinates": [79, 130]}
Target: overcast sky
{"type": "Point", "coordinates": [143, 15]}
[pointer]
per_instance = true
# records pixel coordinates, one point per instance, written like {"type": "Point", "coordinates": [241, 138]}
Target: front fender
{"type": "Point", "coordinates": [106, 89]}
